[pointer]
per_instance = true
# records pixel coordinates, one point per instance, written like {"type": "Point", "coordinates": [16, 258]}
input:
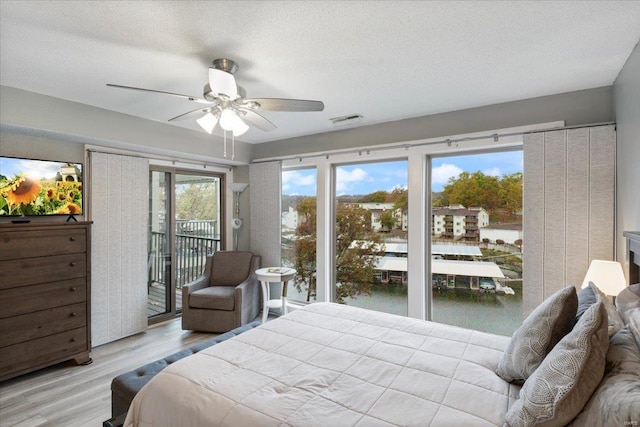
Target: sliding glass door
{"type": "Point", "coordinates": [185, 217]}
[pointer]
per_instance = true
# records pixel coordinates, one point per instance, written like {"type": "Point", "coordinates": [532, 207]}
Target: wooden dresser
{"type": "Point", "coordinates": [44, 295]}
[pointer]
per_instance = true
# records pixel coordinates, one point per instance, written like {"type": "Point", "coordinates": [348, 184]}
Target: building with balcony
{"type": "Point", "coordinates": [457, 222]}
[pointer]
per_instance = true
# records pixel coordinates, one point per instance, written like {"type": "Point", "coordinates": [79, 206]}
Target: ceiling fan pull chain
{"type": "Point", "coordinates": [225, 143]}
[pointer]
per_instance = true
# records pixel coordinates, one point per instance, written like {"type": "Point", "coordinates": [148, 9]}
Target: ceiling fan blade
{"type": "Point", "coordinates": [223, 83]}
{"type": "Point", "coordinates": [178, 95]}
{"type": "Point", "coordinates": [192, 114]}
{"type": "Point", "coordinates": [281, 104]}
{"type": "Point", "coordinates": [255, 119]}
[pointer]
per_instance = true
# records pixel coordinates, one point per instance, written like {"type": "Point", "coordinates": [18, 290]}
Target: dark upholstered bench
{"type": "Point", "coordinates": [124, 387]}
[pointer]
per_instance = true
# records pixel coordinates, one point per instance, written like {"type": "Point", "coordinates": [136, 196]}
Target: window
{"type": "Point", "coordinates": [477, 266]}
{"type": "Point", "coordinates": [299, 211]}
{"type": "Point", "coordinates": [371, 206]}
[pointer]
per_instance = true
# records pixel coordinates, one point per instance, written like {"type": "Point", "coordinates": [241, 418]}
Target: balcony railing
{"type": "Point", "coordinates": [191, 252]}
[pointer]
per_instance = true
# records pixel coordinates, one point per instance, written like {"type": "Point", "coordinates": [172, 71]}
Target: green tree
{"type": "Point", "coordinates": [500, 196]}
{"type": "Point", "coordinates": [357, 250]}
{"type": "Point", "coordinates": [387, 220]}
{"type": "Point", "coordinates": [375, 197]}
{"type": "Point", "coordinates": [196, 201]}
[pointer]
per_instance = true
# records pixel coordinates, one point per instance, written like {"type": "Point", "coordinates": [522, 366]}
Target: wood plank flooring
{"type": "Point", "coordinates": [69, 395]}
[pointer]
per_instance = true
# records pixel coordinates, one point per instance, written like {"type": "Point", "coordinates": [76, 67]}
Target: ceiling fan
{"type": "Point", "coordinates": [225, 103]}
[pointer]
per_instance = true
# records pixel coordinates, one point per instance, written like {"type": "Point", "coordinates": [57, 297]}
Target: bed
{"type": "Point", "coordinates": [333, 365]}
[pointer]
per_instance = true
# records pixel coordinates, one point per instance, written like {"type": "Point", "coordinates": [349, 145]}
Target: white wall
{"type": "Point", "coordinates": [626, 99]}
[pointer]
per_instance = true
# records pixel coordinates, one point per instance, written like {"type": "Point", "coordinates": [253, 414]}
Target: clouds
{"type": "Point", "coordinates": [440, 174]}
{"type": "Point", "coordinates": [347, 179]}
{"type": "Point", "coordinates": [295, 179]}
{"type": "Point", "coordinates": [494, 171]}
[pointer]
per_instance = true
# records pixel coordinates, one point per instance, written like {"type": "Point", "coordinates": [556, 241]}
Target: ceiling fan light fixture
{"type": "Point", "coordinates": [208, 122]}
{"type": "Point", "coordinates": [223, 83]}
{"type": "Point", "coordinates": [240, 128]}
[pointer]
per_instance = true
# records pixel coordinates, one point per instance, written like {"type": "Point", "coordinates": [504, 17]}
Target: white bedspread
{"type": "Point", "coordinates": [334, 365]}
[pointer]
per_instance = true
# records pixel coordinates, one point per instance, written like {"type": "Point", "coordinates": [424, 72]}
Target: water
{"type": "Point", "coordinates": [498, 314]}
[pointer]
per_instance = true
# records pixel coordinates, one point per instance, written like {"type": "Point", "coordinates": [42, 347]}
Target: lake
{"type": "Point", "coordinates": [488, 312]}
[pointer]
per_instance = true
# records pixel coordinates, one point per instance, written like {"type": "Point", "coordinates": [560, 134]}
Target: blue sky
{"type": "Point", "coordinates": [37, 169]}
{"type": "Point", "coordinates": [369, 177]}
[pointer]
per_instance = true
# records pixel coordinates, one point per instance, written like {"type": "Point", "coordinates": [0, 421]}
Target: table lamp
{"type": "Point", "coordinates": [607, 276]}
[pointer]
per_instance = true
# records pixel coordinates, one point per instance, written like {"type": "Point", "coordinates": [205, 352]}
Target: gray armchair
{"type": "Point", "coordinates": [226, 296]}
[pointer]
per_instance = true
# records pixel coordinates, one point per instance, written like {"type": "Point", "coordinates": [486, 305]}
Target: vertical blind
{"type": "Point", "coordinates": [119, 211]}
{"type": "Point", "coordinates": [265, 229]}
{"type": "Point", "coordinates": [568, 203]}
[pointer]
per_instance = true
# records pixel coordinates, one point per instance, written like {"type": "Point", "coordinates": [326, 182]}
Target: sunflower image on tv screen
{"type": "Point", "coordinates": [40, 187]}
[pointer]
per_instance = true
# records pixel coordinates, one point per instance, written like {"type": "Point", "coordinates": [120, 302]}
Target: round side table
{"type": "Point", "coordinates": [268, 275]}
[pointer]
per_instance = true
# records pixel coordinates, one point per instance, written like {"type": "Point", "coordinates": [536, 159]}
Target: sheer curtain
{"type": "Point", "coordinates": [119, 188]}
{"type": "Point", "coordinates": [569, 199]}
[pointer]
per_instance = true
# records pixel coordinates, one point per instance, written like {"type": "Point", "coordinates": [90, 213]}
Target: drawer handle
{"type": "Point", "coordinates": [73, 339]}
{"type": "Point", "coordinates": [72, 264]}
{"type": "Point", "coordinates": [73, 289]}
{"type": "Point", "coordinates": [73, 239]}
{"type": "Point", "coordinates": [73, 314]}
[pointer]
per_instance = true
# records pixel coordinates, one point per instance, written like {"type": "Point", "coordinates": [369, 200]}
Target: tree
{"type": "Point", "coordinates": [375, 197]}
{"type": "Point", "coordinates": [357, 250]}
{"type": "Point", "coordinates": [387, 220]}
{"type": "Point", "coordinates": [501, 197]}
{"type": "Point", "coordinates": [197, 201]}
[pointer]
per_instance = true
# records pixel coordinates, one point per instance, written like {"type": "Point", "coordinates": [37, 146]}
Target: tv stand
{"type": "Point", "coordinates": [71, 217]}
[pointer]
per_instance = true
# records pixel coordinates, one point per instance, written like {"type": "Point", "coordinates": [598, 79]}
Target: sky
{"type": "Point", "coordinates": [370, 177]}
{"type": "Point", "coordinates": [37, 169]}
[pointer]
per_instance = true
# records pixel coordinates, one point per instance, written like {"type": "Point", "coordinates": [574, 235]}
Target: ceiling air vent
{"type": "Point", "coordinates": [346, 120]}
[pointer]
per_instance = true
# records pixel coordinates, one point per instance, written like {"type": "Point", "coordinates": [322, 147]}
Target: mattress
{"type": "Point", "coordinates": [333, 365]}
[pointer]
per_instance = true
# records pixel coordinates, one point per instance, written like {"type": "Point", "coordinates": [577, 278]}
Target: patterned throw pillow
{"type": "Point", "coordinates": [559, 389]}
{"type": "Point", "coordinates": [538, 334]}
{"type": "Point", "coordinates": [616, 401]}
{"type": "Point", "coordinates": [615, 322]}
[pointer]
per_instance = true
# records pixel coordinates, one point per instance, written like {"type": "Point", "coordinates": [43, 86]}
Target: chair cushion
{"type": "Point", "coordinates": [230, 268]}
{"type": "Point", "coordinates": [213, 298]}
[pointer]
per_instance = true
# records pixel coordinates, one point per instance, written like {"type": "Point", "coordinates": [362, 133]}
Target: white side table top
{"type": "Point", "coordinates": [275, 274]}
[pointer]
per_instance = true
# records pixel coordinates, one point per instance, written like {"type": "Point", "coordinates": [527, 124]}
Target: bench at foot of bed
{"type": "Point", "coordinates": [124, 387]}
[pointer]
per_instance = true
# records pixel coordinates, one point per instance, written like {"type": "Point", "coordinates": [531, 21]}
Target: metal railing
{"type": "Point", "coordinates": [188, 264]}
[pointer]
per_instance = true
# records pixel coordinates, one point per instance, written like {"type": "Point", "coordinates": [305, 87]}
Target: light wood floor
{"type": "Point", "coordinates": [69, 395]}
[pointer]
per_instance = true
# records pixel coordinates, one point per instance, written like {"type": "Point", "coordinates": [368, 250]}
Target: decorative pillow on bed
{"type": "Point", "coordinates": [540, 331]}
{"type": "Point", "coordinates": [628, 300]}
{"type": "Point", "coordinates": [558, 390]}
{"type": "Point", "coordinates": [616, 401]}
{"type": "Point", "coordinates": [586, 298]}
{"type": "Point", "coordinates": [615, 322]}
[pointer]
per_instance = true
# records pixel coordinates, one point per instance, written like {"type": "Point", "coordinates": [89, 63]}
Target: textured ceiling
{"type": "Point", "coordinates": [386, 60]}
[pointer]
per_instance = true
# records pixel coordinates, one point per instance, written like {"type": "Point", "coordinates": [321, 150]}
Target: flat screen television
{"type": "Point", "coordinates": [30, 187]}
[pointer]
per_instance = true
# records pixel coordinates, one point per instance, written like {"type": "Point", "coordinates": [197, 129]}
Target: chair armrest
{"type": "Point", "coordinates": [247, 295]}
{"type": "Point", "coordinates": [200, 283]}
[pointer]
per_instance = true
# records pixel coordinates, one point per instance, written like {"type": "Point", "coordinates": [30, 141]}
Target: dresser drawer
{"type": "Point", "coordinates": [42, 351]}
{"type": "Point", "coordinates": [30, 244]}
{"type": "Point", "coordinates": [27, 299]}
{"type": "Point", "coordinates": [42, 323]}
{"type": "Point", "coordinates": [31, 271]}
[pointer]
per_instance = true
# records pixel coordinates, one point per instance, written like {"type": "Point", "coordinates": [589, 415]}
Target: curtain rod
{"type": "Point", "coordinates": [408, 145]}
{"type": "Point", "coordinates": [168, 159]}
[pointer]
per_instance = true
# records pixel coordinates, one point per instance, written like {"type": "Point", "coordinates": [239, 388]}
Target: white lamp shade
{"type": "Point", "coordinates": [208, 122]}
{"type": "Point", "coordinates": [240, 127]}
{"type": "Point", "coordinates": [222, 83]}
{"type": "Point", "coordinates": [228, 119]}
{"type": "Point", "coordinates": [238, 187]}
{"type": "Point", "coordinates": [607, 276]}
